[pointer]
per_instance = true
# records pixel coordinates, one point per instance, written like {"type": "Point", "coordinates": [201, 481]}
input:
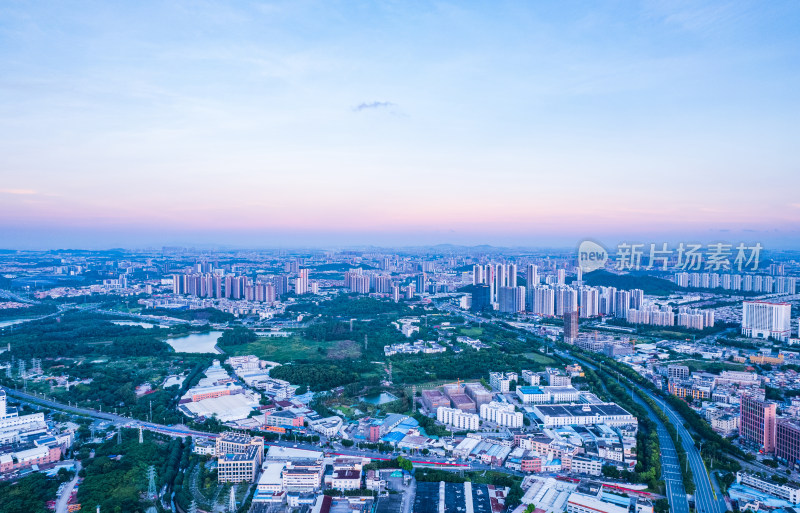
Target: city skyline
{"type": "Point", "coordinates": [315, 124]}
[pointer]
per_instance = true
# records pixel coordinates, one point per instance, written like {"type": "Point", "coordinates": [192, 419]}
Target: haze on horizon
{"type": "Point", "coordinates": [310, 123]}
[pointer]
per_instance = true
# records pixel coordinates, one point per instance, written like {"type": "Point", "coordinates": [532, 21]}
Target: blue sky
{"type": "Point", "coordinates": [397, 122]}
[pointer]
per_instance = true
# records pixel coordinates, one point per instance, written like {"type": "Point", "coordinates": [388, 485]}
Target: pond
{"type": "Point", "coordinates": [378, 399]}
{"type": "Point", "coordinates": [196, 343]}
{"type": "Point", "coordinates": [5, 324]}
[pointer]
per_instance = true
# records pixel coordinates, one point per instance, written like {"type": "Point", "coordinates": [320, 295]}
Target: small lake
{"type": "Point", "coordinates": [196, 343]}
{"type": "Point", "coordinates": [378, 399]}
{"type": "Point", "coordinates": [146, 325]}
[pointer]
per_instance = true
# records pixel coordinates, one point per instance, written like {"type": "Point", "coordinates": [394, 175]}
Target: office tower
{"type": "Point", "coordinates": [761, 319]}
{"type": "Point", "coordinates": [570, 327]}
{"type": "Point", "coordinates": [562, 276]}
{"type": "Point", "coordinates": [757, 422]}
{"type": "Point", "coordinates": [477, 274]}
{"type": "Point", "coordinates": [511, 275]}
{"type": "Point", "coordinates": [481, 298]}
{"type": "Point", "coordinates": [301, 282]}
{"type": "Point", "coordinates": [511, 299]}
{"type": "Point", "coordinates": [531, 276]}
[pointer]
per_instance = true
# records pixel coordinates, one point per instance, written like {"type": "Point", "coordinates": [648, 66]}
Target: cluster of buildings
{"type": "Point", "coordinates": [496, 288]}
{"type": "Point", "coordinates": [206, 281]}
{"type": "Point", "coordinates": [416, 347]}
{"type": "Point", "coordinates": [740, 282]}
{"type": "Point", "coordinates": [284, 475]}
{"type": "Point", "coordinates": [27, 441]}
{"type": "Point", "coordinates": [218, 395]}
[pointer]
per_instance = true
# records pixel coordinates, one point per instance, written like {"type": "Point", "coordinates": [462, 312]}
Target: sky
{"type": "Point", "coordinates": [271, 124]}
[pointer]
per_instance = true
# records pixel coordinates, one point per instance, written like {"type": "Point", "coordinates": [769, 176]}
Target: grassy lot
{"type": "Point", "coordinates": [283, 349]}
{"type": "Point", "coordinates": [540, 358]}
{"type": "Point", "coordinates": [471, 332]}
{"type": "Point", "coordinates": [712, 366]}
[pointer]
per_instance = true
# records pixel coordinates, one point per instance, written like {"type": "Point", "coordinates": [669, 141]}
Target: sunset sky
{"type": "Point", "coordinates": [336, 123]}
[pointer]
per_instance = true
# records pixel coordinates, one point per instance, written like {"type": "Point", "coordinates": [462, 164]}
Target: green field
{"type": "Point", "coordinates": [712, 366]}
{"type": "Point", "coordinates": [540, 358]}
{"type": "Point", "coordinates": [281, 349]}
{"type": "Point", "coordinates": [471, 332]}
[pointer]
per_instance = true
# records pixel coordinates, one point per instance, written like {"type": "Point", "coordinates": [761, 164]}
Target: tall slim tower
{"type": "Point", "coordinates": [151, 487]}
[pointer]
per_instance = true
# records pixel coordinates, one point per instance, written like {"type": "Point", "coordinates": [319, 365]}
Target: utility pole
{"type": "Point", "coordinates": [151, 487]}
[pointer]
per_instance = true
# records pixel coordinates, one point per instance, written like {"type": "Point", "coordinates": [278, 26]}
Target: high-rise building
{"type": "Point", "coordinates": [757, 422]}
{"type": "Point", "coordinates": [477, 274]}
{"type": "Point", "coordinates": [420, 282]}
{"type": "Point", "coordinates": [281, 285]}
{"type": "Point", "coordinates": [589, 302]}
{"type": "Point", "coordinates": [301, 282]}
{"type": "Point", "coordinates": [511, 299]}
{"type": "Point", "coordinates": [542, 300]}
{"type": "Point", "coordinates": [562, 276]}
{"type": "Point", "coordinates": [761, 319]}
{"type": "Point", "coordinates": [500, 280]}
{"type": "Point", "coordinates": [511, 275]}
{"type": "Point", "coordinates": [531, 276]}
{"type": "Point", "coordinates": [481, 298]}
{"type": "Point", "coordinates": [787, 441]}
{"type": "Point", "coordinates": [566, 300]}
{"type": "Point", "coordinates": [570, 327]}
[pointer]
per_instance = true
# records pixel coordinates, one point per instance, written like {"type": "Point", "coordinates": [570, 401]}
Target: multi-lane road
{"type": "Point", "coordinates": [705, 501]}
{"type": "Point", "coordinates": [706, 498]}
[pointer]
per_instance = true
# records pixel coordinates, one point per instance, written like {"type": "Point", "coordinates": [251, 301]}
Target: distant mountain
{"type": "Point", "coordinates": [649, 284]}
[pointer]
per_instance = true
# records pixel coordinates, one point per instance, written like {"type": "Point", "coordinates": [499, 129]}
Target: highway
{"type": "Point", "coordinates": [706, 500]}
{"type": "Point", "coordinates": [670, 466]}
